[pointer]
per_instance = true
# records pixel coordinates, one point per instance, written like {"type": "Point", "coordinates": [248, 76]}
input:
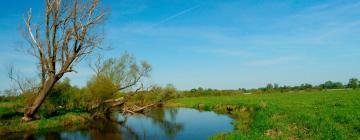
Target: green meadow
{"type": "Point", "coordinates": [332, 114]}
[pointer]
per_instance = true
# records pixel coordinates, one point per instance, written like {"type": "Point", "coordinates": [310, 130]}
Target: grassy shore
{"type": "Point", "coordinates": [302, 115]}
{"type": "Point", "coordinates": [12, 111]}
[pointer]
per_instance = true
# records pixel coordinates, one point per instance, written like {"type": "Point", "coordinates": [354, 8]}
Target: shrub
{"type": "Point", "coordinates": [62, 98]}
{"type": "Point", "coordinates": [99, 89]}
{"type": "Point", "coordinates": [163, 94]}
{"type": "Point", "coordinates": [169, 92]}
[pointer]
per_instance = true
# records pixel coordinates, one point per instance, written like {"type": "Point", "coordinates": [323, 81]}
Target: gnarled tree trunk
{"type": "Point", "coordinates": [30, 111]}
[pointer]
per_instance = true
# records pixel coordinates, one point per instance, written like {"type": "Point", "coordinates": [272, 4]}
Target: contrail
{"type": "Point", "coordinates": [169, 18]}
{"type": "Point", "coordinates": [176, 15]}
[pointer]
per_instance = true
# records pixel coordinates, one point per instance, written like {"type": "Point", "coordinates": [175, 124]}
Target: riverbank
{"type": "Point", "coordinates": [69, 121]}
{"type": "Point", "coordinates": [10, 119]}
{"type": "Point", "coordinates": [304, 115]}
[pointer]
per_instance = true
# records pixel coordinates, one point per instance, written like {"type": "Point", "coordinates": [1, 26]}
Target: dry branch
{"type": "Point", "coordinates": [68, 35]}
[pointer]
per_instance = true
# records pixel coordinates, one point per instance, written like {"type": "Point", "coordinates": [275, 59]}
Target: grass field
{"type": "Point", "coordinates": [302, 115]}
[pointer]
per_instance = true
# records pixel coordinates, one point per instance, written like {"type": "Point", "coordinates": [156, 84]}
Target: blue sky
{"type": "Point", "coordinates": [224, 44]}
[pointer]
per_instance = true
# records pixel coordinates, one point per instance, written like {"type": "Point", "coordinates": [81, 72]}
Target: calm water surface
{"type": "Point", "coordinates": [158, 124]}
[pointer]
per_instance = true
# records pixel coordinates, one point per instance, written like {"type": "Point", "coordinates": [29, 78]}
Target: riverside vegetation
{"type": "Point", "coordinates": [267, 113]}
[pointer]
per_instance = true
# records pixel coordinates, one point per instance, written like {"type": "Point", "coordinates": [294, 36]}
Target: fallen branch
{"type": "Point", "coordinates": [114, 100]}
{"type": "Point", "coordinates": [121, 102]}
{"type": "Point", "coordinates": [117, 104]}
{"type": "Point", "coordinates": [135, 109]}
{"type": "Point", "coordinates": [142, 108]}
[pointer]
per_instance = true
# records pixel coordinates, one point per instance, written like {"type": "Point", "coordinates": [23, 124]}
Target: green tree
{"type": "Point", "coordinates": [327, 85]}
{"type": "Point", "coordinates": [200, 89]}
{"type": "Point", "coordinates": [169, 91]}
{"type": "Point", "coordinates": [353, 83]}
{"type": "Point", "coordinates": [124, 71]}
{"type": "Point", "coordinates": [306, 86]}
{"type": "Point", "coordinates": [99, 89]}
{"type": "Point", "coordinates": [276, 86]}
{"type": "Point", "coordinates": [332, 85]}
{"type": "Point", "coordinates": [338, 85]}
{"type": "Point", "coordinates": [269, 86]}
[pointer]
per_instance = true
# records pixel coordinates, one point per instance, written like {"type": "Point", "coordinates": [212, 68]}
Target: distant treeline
{"type": "Point", "coordinates": [271, 88]}
{"type": "Point", "coordinates": [158, 93]}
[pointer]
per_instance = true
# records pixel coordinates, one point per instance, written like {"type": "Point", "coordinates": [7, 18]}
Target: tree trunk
{"type": "Point", "coordinates": [46, 87]}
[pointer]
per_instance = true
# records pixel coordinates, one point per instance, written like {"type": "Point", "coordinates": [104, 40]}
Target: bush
{"type": "Point", "coordinates": [62, 98]}
{"type": "Point", "coordinates": [98, 90]}
{"type": "Point", "coordinates": [65, 98]}
{"type": "Point", "coordinates": [164, 94]}
{"type": "Point", "coordinates": [101, 88]}
{"type": "Point", "coordinates": [169, 92]}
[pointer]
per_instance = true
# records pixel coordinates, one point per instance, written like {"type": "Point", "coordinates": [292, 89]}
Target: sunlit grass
{"type": "Point", "coordinates": [303, 115]}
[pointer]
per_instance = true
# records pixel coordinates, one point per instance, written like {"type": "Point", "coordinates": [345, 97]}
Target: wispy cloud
{"type": "Point", "coordinates": [329, 24]}
{"type": "Point", "coordinates": [322, 18]}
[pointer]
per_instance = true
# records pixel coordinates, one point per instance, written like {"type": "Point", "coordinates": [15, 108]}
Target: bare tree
{"type": "Point", "coordinates": [68, 35]}
{"type": "Point", "coordinates": [24, 85]}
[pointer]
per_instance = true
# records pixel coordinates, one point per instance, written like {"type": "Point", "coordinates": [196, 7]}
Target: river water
{"type": "Point", "coordinates": [158, 124]}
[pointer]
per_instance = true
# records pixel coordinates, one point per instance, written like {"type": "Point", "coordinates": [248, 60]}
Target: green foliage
{"type": "Point", "coordinates": [101, 88]}
{"type": "Point", "coordinates": [269, 86]}
{"type": "Point", "coordinates": [304, 115]}
{"type": "Point", "coordinates": [60, 93]}
{"type": "Point", "coordinates": [306, 86]}
{"type": "Point", "coordinates": [167, 93]}
{"type": "Point", "coordinates": [156, 94]}
{"type": "Point", "coordinates": [124, 71]}
{"type": "Point", "coordinates": [210, 92]}
{"type": "Point", "coordinates": [332, 85]}
{"type": "Point", "coordinates": [63, 98]}
{"type": "Point", "coordinates": [70, 120]}
{"type": "Point", "coordinates": [163, 94]}
{"type": "Point", "coordinates": [353, 83]}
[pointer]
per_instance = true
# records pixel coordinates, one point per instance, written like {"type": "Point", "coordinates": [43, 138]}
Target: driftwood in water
{"type": "Point", "coordinates": [125, 109]}
{"type": "Point", "coordinates": [135, 109]}
{"type": "Point", "coordinates": [139, 109]}
{"type": "Point", "coordinates": [116, 102]}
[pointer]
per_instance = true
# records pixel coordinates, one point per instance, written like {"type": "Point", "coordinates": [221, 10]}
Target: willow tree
{"type": "Point", "coordinates": [67, 34]}
{"type": "Point", "coordinates": [125, 72]}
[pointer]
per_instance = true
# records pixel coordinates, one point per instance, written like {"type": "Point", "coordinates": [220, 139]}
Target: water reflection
{"type": "Point", "coordinates": [103, 130]}
{"type": "Point", "coordinates": [169, 126]}
{"type": "Point", "coordinates": [158, 124]}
